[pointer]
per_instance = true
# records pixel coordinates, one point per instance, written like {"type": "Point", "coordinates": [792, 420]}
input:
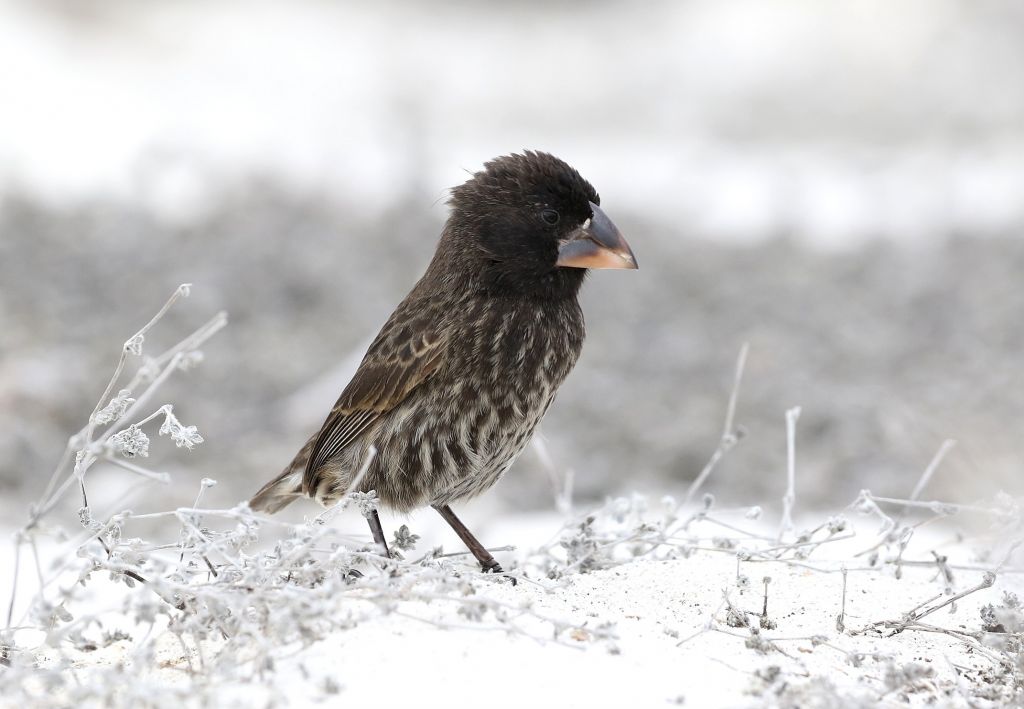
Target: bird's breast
{"type": "Point", "coordinates": [515, 359]}
{"type": "Point", "coordinates": [525, 351]}
{"type": "Point", "coordinates": [468, 422]}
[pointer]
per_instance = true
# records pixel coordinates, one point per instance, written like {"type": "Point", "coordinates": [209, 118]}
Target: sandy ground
{"type": "Point", "coordinates": [653, 605]}
{"type": "Point", "coordinates": [647, 633]}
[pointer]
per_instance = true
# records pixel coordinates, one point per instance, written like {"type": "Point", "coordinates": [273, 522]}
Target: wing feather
{"type": "Point", "coordinates": [409, 348]}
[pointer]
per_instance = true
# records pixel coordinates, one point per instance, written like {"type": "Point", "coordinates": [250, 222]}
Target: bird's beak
{"type": "Point", "coordinates": [596, 244]}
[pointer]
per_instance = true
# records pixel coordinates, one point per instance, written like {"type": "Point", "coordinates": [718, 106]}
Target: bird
{"type": "Point", "coordinates": [450, 391]}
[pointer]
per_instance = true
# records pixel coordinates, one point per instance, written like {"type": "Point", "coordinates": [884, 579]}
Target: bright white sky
{"type": "Point", "coordinates": [743, 120]}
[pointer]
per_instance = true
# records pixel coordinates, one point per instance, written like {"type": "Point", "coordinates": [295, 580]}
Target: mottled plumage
{"type": "Point", "coordinates": [451, 389]}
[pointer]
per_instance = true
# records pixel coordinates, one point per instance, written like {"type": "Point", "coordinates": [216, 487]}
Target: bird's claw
{"type": "Point", "coordinates": [495, 568]}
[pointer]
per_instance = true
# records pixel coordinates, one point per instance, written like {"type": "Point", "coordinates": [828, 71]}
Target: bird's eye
{"type": "Point", "coordinates": [550, 216]}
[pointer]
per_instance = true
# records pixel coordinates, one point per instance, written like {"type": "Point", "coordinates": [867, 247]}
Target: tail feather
{"type": "Point", "coordinates": [278, 493]}
{"type": "Point", "coordinates": [286, 487]}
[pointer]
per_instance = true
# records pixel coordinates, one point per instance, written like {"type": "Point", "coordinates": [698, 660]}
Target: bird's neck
{"type": "Point", "coordinates": [501, 279]}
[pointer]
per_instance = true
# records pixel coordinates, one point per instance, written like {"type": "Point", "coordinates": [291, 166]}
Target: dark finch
{"type": "Point", "coordinates": [462, 372]}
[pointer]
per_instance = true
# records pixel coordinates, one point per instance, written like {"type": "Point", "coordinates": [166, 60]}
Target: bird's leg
{"type": "Point", "coordinates": [482, 555]}
{"type": "Point", "coordinates": [378, 532]}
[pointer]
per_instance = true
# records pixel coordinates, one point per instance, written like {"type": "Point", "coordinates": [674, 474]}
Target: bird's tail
{"type": "Point", "coordinates": [278, 493]}
{"type": "Point", "coordinates": [286, 487]}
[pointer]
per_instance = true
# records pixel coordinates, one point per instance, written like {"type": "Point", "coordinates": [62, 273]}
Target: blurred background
{"type": "Point", "coordinates": [839, 184]}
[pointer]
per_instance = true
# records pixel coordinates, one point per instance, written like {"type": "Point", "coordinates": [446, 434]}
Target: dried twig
{"type": "Point", "coordinates": [731, 435]}
{"type": "Point", "coordinates": [788, 500]}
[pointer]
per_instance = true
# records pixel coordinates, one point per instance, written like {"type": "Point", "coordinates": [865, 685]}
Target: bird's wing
{"type": "Point", "coordinates": [409, 348]}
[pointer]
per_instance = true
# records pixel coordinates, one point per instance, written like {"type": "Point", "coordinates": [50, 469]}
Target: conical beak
{"type": "Point", "coordinates": [596, 244]}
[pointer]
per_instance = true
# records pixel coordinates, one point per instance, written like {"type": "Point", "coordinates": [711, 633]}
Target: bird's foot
{"type": "Point", "coordinates": [495, 568]}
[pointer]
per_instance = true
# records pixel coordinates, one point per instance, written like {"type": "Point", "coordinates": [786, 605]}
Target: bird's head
{"type": "Point", "coordinates": [534, 224]}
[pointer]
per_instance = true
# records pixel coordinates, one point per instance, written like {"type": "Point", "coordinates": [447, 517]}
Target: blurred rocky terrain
{"type": "Point", "coordinates": [840, 184]}
{"type": "Point", "coordinates": [889, 348]}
